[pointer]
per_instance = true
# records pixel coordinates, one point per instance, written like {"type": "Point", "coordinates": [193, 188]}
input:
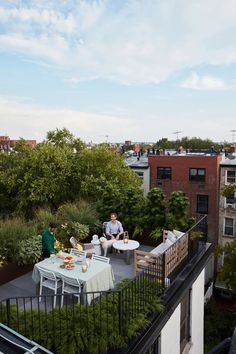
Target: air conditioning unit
{"type": "Point", "coordinates": [228, 205]}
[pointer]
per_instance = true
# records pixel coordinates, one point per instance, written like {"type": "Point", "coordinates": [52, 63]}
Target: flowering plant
{"type": "Point", "coordinates": [59, 246]}
{"type": "Point", "coordinates": [72, 228]}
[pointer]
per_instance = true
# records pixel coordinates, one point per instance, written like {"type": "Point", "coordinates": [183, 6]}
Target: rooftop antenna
{"type": "Point", "coordinates": [233, 131]}
{"type": "Point", "coordinates": [177, 134]}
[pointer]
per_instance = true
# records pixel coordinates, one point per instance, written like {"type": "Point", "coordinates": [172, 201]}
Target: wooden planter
{"type": "Point", "coordinates": [12, 271]}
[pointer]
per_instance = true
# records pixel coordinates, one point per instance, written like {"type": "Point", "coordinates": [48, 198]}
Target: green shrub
{"type": "Point", "coordinates": [12, 231]}
{"type": "Point", "coordinates": [72, 228]}
{"type": "Point", "coordinates": [81, 212]}
{"type": "Point", "coordinates": [29, 251]}
{"type": "Point", "coordinates": [43, 218]}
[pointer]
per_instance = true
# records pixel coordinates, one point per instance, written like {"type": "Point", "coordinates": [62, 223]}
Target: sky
{"type": "Point", "coordinates": [116, 70]}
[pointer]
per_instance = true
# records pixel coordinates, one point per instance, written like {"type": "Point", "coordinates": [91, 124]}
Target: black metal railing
{"type": "Point", "coordinates": [100, 320]}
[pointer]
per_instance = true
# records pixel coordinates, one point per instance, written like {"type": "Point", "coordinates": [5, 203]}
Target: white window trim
{"type": "Point", "coordinates": [230, 205]}
{"type": "Point", "coordinates": [225, 235]}
{"type": "Point", "coordinates": [226, 176]}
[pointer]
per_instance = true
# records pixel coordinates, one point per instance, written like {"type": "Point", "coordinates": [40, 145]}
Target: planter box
{"type": "Point", "coordinates": [12, 271]}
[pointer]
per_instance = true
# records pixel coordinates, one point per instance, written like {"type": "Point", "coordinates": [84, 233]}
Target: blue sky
{"type": "Point", "coordinates": [128, 69]}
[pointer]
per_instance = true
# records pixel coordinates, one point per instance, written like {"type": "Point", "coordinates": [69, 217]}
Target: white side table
{"type": "Point", "coordinates": [97, 247]}
{"type": "Point", "coordinates": [127, 247]}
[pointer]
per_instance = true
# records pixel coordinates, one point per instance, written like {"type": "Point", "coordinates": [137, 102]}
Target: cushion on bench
{"type": "Point", "coordinates": [177, 233]}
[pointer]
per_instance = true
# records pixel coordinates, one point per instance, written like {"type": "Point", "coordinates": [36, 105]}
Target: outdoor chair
{"type": "Point", "coordinates": [101, 258]}
{"type": "Point", "coordinates": [88, 247]}
{"type": "Point", "coordinates": [104, 225]}
{"type": "Point", "coordinates": [78, 253]}
{"type": "Point", "coordinates": [70, 286]}
{"type": "Point", "coordinates": [49, 280]}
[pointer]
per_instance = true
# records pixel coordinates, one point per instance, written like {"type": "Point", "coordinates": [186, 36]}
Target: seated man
{"type": "Point", "coordinates": [114, 228]}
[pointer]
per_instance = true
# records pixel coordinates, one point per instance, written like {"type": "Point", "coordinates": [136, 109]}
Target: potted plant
{"type": "Point", "coordinates": [195, 236]}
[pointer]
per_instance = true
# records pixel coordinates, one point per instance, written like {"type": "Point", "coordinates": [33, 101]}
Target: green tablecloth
{"type": "Point", "coordinates": [99, 277]}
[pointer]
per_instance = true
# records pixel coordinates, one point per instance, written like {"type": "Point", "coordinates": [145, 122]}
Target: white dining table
{"type": "Point", "coordinates": [99, 276]}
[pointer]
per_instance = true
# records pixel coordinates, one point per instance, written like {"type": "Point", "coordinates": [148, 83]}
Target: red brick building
{"type": "Point", "coordinates": [197, 175]}
{"type": "Point", "coordinates": [6, 143]}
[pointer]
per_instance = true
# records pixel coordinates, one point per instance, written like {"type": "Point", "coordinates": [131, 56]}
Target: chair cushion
{"type": "Point", "coordinates": [178, 233]}
{"type": "Point", "coordinates": [171, 236]}
{"type": "Point", "coordinates": [79, 247]}
{"type": "Point", "coordinates": [162, 247]}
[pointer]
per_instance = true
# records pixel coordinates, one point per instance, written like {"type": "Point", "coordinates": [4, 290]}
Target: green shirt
{"type": "Point", "coordinates": [48, 240]}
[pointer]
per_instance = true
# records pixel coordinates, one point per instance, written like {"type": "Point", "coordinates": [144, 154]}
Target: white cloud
{"type": "Point", "coordinates": [33, 121]}
{"type": "Point", "coordinates": [143, 41]}
{"type": "Point", "coordinates": [206, 82]}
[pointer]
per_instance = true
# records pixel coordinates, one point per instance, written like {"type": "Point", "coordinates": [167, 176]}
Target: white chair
{"type": "Point", "coordinates": [88, 247]}
{"type": "Point", "coordinates": [70, 286]}
{"type": "Point", "coordinates": [49, 280]}
{"type": "Point", "coordinates": [100, 258]}
{"type": "Point", "coordinates": [80, 254]}
{"type": "Point", "coordinates": [104, 226]}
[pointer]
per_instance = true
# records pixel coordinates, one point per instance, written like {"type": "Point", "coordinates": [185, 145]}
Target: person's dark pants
{"type": "Point", "coordinates": [45, 254]}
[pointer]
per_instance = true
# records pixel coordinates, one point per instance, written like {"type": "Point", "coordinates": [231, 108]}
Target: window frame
{"type": "Point", "coordinates": [140, 174]}
{"type": "Point", "coordinates": [207, 203]}
{"type": "Point", "coordinates": [226, 177]}
{"type": "Point", "coordinates": [233, 227]}
{"type": "Point", "coordinates": [231, 203]}
{"type": "Point", "coordinates": [164, 174]}
{"type": "Point", "coordinates": [198, 177]}
{"type": "Point", "coordinates": [185, 322]}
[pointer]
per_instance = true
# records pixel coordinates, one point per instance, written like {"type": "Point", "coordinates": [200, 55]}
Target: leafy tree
{"type": "Point", "coordinates": [177, 216]}
{"type": "Point", "coordinates": [229, 189]}
{"type": "Point", "coordinates": [187, 143]}
{"type": "Point", "coordinates": [63, 137]}
{"type": "Point", "coordinates": [154, 212]}
{"type": "Point", "coordinates": [227, 272]}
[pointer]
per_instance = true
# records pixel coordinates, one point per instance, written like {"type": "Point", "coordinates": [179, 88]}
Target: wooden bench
{"type": "Point", "coordinates": [175, 252]}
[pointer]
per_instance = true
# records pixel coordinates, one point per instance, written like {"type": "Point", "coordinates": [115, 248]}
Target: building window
{"type": "Point", "coordinates": [155, 347]}
{"type": "Point", "coordinates": [140, 174]}
{"type": "Point", "coordinates": [229, 227]}
{"type": "Point", "coordinates": [164, 173]}
{"type": "Point", "coordinates": [202, 204]}
{"type": "Point", "coordinates": [231, 177]}
{"type": "Point", "coordinates": [197, 174]}
{"type": "Point", "coordinates": [230, 200]}
{"type": "Point", "coordinates": [185, 321]}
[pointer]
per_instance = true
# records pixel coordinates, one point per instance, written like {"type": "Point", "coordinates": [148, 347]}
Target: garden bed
{"type": "Point", "coordinates": [12, 271]}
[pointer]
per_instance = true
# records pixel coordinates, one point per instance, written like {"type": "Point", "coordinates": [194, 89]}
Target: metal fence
{"type": "Point", "coordinates": [106, 320]}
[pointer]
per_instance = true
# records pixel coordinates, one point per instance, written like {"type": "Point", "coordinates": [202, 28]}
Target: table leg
{"type": "Point", "coordinates": [127, 256]}
{"type": "Point", "coordinates": [37, 287]}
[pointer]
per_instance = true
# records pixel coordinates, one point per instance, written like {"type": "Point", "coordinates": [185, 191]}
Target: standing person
{"type": "Point", "coordinates": [114, 228]}
{"type": "Point", "coordinates": [48, 240]}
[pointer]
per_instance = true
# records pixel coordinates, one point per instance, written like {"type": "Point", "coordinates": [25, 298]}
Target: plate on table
{"type": "Point", "coordinates": [69, 266]}
{"type": "Point", "coordinates": [68, 258]}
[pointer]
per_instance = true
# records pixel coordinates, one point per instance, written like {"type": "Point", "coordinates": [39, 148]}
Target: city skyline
{"type": "Point", "coordinates": [116, 71]}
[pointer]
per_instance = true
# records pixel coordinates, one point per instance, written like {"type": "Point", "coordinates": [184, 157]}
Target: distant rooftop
{"type": "Point", "coordinates": [137, 162]}
{"type": "Point", "coordinates": [230, 159]}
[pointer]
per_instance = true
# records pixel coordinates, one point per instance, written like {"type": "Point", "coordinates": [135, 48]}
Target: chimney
{"type": "Point", "coordinates": [180, 149]}
{"type": "Point", "coordinates": [232, 149]}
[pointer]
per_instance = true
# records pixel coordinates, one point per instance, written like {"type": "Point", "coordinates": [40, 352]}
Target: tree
{"type": "Point", "coordinates": [227, 272]}
{"type": "Point", "coordinates": [63, 137]}
{"type": "Point", "coordinates": [154, 212]}
{"type": "Point", "coordinates": [54, 173]}
{"type": "Point", "coordinates": [177, 216]}
{"type": "Point", "coordinates": [187, 143]}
